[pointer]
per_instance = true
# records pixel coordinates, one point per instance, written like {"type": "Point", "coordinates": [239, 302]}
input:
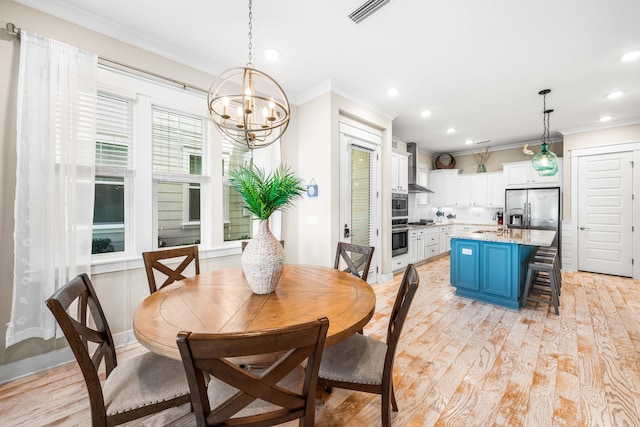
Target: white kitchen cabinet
{"type": "Point", "coordinates": [416, 245]}
{"type": "Point", "coordinates": [399, 172]}
{"type": "Point", "coordinates": [444, 184]}
{"type": "Point", "coordinates": [445, 239]}
{"type": "Point", "coordinates": [473, 189]}
{"type": "Point", "coordinates": [423, 180]}
{"type": "Point", "coordinates": [431, 242]}
{"type": "Point", "coordinates": [399, 262]}
{"type": "Point", "coordinates": [464, 190]}
{"type": "Point", "coordinates": [495, 189]}
{"type": "Point", "coordinates": [519, 174]}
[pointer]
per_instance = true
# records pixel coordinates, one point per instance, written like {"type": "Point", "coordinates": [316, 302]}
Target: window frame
{"type": "Point", "coordinates": [140, 182]}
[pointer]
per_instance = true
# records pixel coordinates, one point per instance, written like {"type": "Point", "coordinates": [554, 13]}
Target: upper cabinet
{"type": "Point", "coordinates": [399, 172]}
{"type": "Point", "coordinates": [444, 184]}
{"type": "Point", "coordinates": [495, 189]}
{"type": "Point", "coordinates": [480, 189]}
{"type": "Point", "coordinates": [522, 174]}
{"type": "Point", "coordinates": [423, 179]}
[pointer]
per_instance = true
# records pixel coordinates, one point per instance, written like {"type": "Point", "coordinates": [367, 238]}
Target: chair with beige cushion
{"type": "Point", "coordinates": [144, 385]}
{"type": "Point", "coordinates": [356, 257]}
{"type": "Point", "coordinates": [159, 262]}
{"type": "Point", "coordinates": [365, 364]}
{"type": "Point", "coordinates": [281, 392]}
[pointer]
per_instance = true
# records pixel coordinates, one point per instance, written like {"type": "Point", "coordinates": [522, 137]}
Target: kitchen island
{"type": "Point", "coordinates": [491, 266]}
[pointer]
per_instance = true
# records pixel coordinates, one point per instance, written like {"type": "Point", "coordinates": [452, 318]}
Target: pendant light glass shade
{"type": "Point", "coordinates": [545, 162]}
{"type": "Point", "coordinates": [249, 107]}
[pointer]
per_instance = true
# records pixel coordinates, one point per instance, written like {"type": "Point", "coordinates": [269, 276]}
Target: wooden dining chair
{"type": "Point", "coordinates": [283, 391]}
{"type": "Point", "coordinates": [365, 364]}
{"type": "Point", "coordinates": [357, 257]}
{"type": "Point", "coordinates": [159, 261]}
{"type": "Point", "coordinates": [144, 385]}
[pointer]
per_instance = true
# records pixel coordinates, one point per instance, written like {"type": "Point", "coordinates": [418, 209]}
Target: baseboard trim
{"type": "Point", "coordinates": [42, 362]}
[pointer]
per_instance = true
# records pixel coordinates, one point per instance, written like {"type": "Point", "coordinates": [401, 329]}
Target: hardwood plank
{"type": "Point", "coordinates": [459, 362]}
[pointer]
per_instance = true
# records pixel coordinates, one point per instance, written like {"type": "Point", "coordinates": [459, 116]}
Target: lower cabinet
{"type": "Point", "coordinates": [399, 262]}
{"type": "Point", "coordinates": [424, 243]}
{"type": "Point", "coordinates": [445, 240]}
{"type": "Point", "coordinates": [489, 271]}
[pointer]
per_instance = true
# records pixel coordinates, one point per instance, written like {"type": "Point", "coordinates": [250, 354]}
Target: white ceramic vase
{"type": "Point", "coordinates": [262, 260]}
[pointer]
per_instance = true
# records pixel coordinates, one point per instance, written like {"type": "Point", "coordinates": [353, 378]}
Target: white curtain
{"type": "Point", "coordinates": [54, 179]}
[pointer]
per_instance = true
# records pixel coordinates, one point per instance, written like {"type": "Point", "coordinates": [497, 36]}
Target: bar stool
{"type": "Point", "coordinates": [550, 255]}
{"type": "Point", "coordinates": [542, 283]}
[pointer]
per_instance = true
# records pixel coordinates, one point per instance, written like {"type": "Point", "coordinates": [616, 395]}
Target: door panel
{"type": "Point", "coordinates": [605, 214]}
{"type": "Point", "coordinates": [359, 201]}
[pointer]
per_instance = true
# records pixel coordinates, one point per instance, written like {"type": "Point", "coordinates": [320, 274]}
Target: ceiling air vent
{"type": "Point", "coordinates": [366, 10]}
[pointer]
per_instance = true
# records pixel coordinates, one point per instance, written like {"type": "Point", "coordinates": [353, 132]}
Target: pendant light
{"type": "Point", "coordinates": [247, 105]}
{"type": "Point", "coordinates": [545, 162]}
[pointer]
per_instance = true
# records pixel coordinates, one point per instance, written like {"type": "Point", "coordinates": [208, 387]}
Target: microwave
{"type": "Point", "coordinates": [399, 205]}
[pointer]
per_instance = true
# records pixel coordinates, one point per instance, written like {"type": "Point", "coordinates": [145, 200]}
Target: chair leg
{"type": "Point", "coordinates": [386, 416]}
{"type": "Point", "coordinates": [394, 404]}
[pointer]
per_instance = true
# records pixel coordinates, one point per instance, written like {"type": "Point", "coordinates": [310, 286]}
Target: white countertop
{"type": "Point", "coordinates": [511, 235]}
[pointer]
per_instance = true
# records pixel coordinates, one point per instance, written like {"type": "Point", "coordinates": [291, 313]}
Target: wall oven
{"type": "Point", "coordinates": [399, 205]}
{"type": "Point", "coordinates": [399, 236]}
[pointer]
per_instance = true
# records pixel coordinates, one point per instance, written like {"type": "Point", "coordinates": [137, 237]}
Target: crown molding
{"type": "Point", "coordinates": [601, 126]}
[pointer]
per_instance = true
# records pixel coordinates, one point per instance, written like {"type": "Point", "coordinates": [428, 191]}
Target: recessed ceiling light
{"type": "Point", "coordinates": [451, 130]}
{"type": "Point", "coordinates": [393, 91]}
{"type": "Point", "coordinates": [605, 118]}
{"type": "Point", "coordinates": [271, 54]}
{"type": "Point", "coordinates": [468, 142]}
{"type": "Point", "coordinates": [426, 113]}
{"type": "Point", "coordinates": [630, 56]}
{"type": "Point", "coordinates": [616, 94]}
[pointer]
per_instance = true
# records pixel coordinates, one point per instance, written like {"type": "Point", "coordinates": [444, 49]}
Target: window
{"type": "Point", "coordinates": [156, 154]}
{"type": "Point", "coordinates": [177, 166]}
{"type": "Point", "coordinates": [237, 220]}
{"type": "Point", "coordinates": [114, 129]}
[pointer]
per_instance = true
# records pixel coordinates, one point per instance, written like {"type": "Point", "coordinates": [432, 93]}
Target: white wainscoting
{"type": "Point", "coordinates": [569, 246]}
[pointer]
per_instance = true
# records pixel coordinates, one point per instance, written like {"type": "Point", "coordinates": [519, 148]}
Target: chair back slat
{"type": "Point", "coordinates": [214, 354]}
{"type": "Point", "coordinates": [404, 298]}
{"type": "Point", "coordinates": [356, 257]}
{"type": "Point", "coordinates": [79, 333]}
{"type": "Point", "coordinates": [157, 261]}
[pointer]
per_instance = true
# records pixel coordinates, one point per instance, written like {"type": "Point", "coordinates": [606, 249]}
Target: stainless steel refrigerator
{"type": "Point", "coordinates": [535, 209]}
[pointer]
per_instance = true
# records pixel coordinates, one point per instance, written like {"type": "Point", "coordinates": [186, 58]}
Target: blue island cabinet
{"type": "Point", "coordinates": [489, 271]}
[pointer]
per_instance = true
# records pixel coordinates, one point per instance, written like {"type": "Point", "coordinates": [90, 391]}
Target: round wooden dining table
{"type": "Point", "coordinates": [221, 301]}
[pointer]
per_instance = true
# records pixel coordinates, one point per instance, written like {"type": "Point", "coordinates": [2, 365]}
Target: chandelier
{"type": "Point", "coordinates": [247, 105]}
{"type": "Point", "coordinates": [545, 162]}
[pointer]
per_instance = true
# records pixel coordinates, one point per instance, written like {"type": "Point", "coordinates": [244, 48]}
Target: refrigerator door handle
{"type": "Point", "coordinates": [528, 215]}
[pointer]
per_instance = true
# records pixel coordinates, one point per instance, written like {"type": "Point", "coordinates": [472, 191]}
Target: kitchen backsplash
{"type": "Point", "coordinates": [462, 215]}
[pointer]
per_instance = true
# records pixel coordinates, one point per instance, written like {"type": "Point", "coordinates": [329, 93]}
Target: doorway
{"type": "Point", "coordinates": [359, 195]}
{"type": "Point", "coordinates": [605, 213]}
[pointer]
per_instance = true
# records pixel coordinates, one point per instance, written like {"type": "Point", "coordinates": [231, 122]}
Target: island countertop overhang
{"type": "Point", "coordinates": [512, 235]}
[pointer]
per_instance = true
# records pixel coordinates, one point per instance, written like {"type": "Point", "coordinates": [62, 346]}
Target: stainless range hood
{"type": "Point", "coordinates": [414, 187]}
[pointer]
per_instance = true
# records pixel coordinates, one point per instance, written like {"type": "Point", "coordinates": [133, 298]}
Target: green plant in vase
{"type": "Point", "coordinates": [263, 194]}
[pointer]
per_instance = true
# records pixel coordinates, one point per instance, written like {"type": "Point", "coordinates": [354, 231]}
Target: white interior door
{"type": "Point", "coordinates": [605, 214]}
{"type": "Point", "coordinates": [359, 196]}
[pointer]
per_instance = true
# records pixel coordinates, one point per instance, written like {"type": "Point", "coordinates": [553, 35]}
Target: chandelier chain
{"type": "Point", "coordinates": [250, 64]}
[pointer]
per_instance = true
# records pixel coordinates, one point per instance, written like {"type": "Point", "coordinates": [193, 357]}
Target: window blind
{"type": "Point", "coordinates": [177, 140]}
{"type": "Point", "coordinates": [114, 130]}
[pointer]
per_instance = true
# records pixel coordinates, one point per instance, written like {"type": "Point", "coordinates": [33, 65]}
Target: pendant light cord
{"type": "Point", "coordinates": [250, 63]}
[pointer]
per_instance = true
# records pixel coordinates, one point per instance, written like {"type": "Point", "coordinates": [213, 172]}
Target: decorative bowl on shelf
{"type": "Point", "coordinates": [445, 161]}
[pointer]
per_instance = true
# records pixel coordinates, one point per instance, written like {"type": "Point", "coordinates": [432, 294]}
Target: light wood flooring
{"type": "Point", "coordinates": [459, 363]}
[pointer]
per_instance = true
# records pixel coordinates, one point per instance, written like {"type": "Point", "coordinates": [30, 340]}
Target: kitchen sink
{"type": "Point", "coordinates": [484, 231]}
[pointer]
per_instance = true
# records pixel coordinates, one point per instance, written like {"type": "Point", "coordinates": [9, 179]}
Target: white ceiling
{"type": "Point", "coordinates": [477, 65]}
